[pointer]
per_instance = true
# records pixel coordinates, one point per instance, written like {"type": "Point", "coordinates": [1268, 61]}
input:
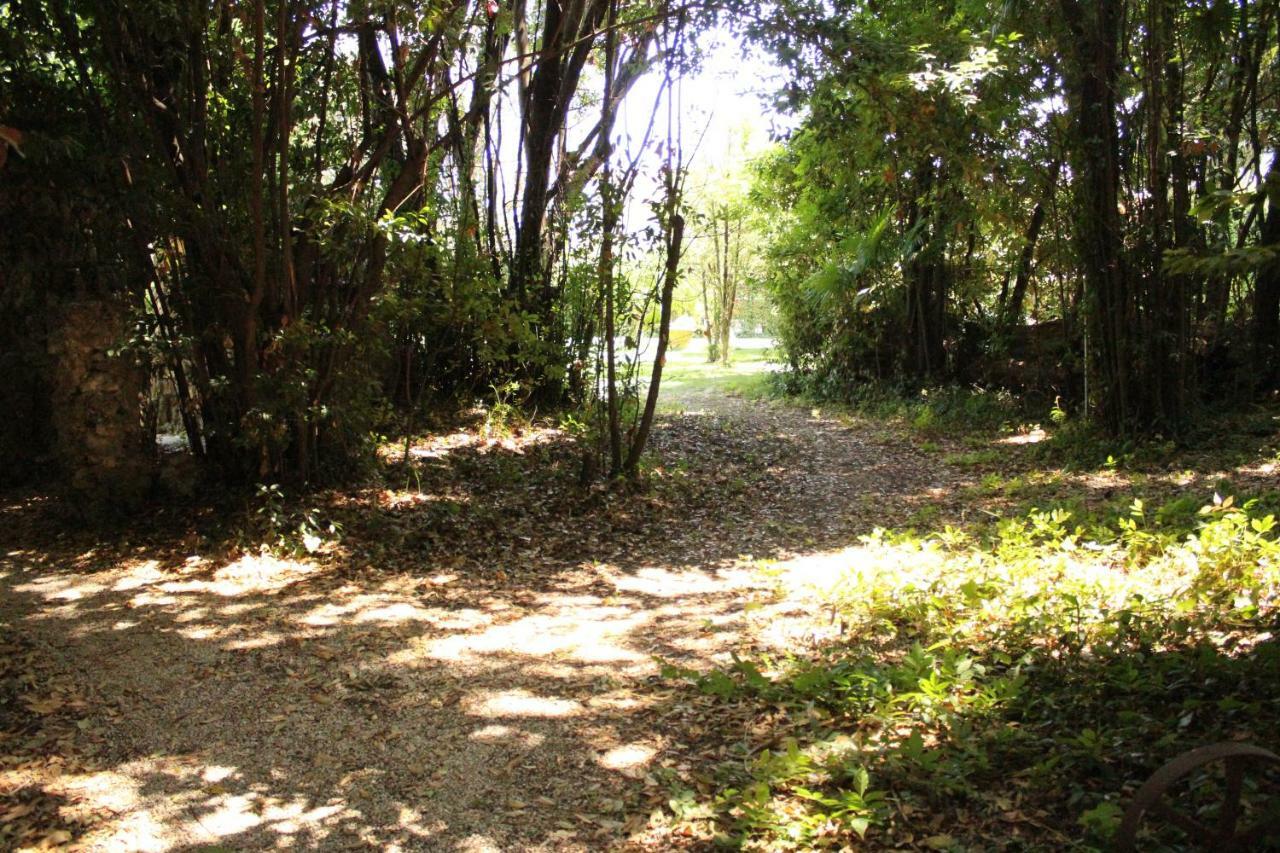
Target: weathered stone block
{"type": "Point", "coordinates": [106, 454]}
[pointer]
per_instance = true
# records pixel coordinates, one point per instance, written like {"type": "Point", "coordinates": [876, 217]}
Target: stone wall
{"type": "Point", "coordinates": [104, 452]}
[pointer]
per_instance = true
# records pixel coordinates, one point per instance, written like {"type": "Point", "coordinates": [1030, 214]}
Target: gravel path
{"type": "Point", "coordinates": [472, 669]}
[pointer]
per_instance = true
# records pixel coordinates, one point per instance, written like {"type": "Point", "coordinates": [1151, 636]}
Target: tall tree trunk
{"type": "Point", "coordinates": [608, 223]}
{"type": "Point", "coordinates": [567, 42]}
{"type": "Point", "coordinates": [245, 340]}
{"type": "Point", "coordinates": [551, 87]}
{"type": "Point", "coordinates": [1266, 292]}
{"type": "Point", "coordinates": [926, 278]}
{"type": "Point", "coordinates": [1092, 75]}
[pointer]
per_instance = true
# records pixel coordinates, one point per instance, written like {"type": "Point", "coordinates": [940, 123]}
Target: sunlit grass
{"type": "Point", "coordinates": [689, 379]}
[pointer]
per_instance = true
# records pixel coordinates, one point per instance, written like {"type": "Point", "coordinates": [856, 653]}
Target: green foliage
{"type": "Point", "coordinates": [1038, 649]}
{"type": "Point", "coordinates": [504, 415]}
{"type": "Point", "coordinates": [271, 191]}
{"type": "Point", "coordinates": [284, 528]}
{"type": "Point", "coordinates": [973, 458]}
{"type": "Point", "coordinates": [876, 201]}
{"type": "Point", "coordinates": [923, 227]}
{"type": "Point", "coordinates": [836, 285]}
{"type": "Point", "coordinates": [935, 411]}
{"type": "Point", "coordinates": [723, 284]}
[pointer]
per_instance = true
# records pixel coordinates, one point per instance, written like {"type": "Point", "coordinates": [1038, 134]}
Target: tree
{"type": "Point", "coordinates": [291, 181]}
{"type": "Point", "coordinates": [920, 215]}
{"type": "Point", "coordinates": [722, 262]}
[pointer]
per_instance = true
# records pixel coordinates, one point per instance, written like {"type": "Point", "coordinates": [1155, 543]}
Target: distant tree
{"type": "Point", "coordinates": [724, 259]}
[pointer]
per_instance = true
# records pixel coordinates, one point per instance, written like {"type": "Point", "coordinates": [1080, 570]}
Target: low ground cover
{"type": "Point", "coordinates": [1003, 666]}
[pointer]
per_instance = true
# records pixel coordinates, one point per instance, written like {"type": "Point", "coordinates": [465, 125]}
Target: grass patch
{"type": "Point", "coordinates": [949, 411]}
{"type": "Point", "coordinates": [974, 458]}
{"type": "Point", "coordinates": [688, 376]}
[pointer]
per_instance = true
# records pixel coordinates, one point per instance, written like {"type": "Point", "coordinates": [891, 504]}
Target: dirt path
{"type": "Point", "coordinates": [472, 667]}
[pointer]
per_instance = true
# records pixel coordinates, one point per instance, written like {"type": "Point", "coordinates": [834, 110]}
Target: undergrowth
{"type": "Point", "coordinates": [1006, 685]}
{"type": "Point", "coordinates": [974, 414]}
{"type": "Point", "coordinates": [929, 411]}
{"type": "Point", "coordinates": [1230, 437]}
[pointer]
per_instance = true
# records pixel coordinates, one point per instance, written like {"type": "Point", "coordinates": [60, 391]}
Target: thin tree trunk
{"type": "Point", "coordinates": [664, 338]}
{"type": "Point", "coordinates": [609, 222]}
{"type": "Point", "coordinates": [245, 341]}
{"type": "Point", "coordinates": [726, 298]}
{"type": "Point", "coordinates": [1012, 310]}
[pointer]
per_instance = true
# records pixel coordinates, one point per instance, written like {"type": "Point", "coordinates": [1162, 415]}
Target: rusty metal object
{"type": "Point", "coordinates": [1222, 836]}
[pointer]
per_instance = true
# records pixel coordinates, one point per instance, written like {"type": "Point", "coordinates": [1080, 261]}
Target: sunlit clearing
{"type": "Point", "coordinates": [507, 735]}
{"type": "Point", "coordinates": [1035, 436]}
{"type": "Point", "coordinates": [627, 757]}
{"type": "Point", "coordinates": [580, 633]}
{"type": "Point", "coordinates": [521, 703]}
{"type": "Point", "coordinates": [665, 583]}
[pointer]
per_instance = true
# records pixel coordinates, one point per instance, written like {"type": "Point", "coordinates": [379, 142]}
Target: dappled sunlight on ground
{"type": "Point", "coordinates": [1261, 469]}
{"type": "Point", "coordinates": [260, 688]}
{"type": "Point", "coordinates": [484, 440]}
{"type": "Point", "coordinates": [360, 608]}
{"type": "Point", "coordinates": [668, 583]}
{"type": "Point", "coordinates": [590, 634]}
{"type": "Point", "coordinates": [474, 663]}
{"type": "Point", "coordinates": [1034, 436]}
{"type": "Point", "coordinates": [628, 758]}
{"type": "Point", "coordinates": [520, 703]}
{"type": "Point", "coordinates": [917, 564]}
{"type": "Point", "coordinates": [499, 734]}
